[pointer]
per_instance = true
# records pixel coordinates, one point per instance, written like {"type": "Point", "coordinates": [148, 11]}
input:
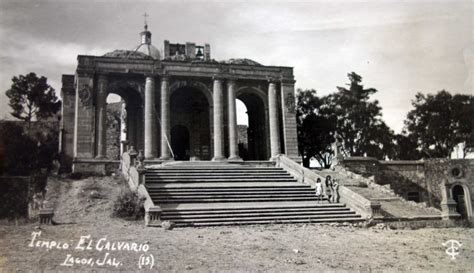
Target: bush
{"type": "Point", "coordinates": [129, 205]}
{"type": "Point", "coordinates": [26, 151]}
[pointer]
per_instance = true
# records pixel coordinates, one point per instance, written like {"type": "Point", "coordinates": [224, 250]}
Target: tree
{"type": "Point", "coordinates": [407, 147]}
{"type": "Point", "coordinates": [359, 121]}
{"type": "Point", "coordinates": [32, 98]}
{"type": "Point", "coordinates": [439, 122]}
{"type": "Point", "coordinates": [315, 128]}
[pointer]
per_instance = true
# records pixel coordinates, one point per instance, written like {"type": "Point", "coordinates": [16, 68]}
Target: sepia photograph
{"type": "Point", "coordinates": [236, 136]}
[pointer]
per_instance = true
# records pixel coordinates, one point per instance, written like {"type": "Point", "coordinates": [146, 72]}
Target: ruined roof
{"type": "Point", "coordinates": [242, 61]}
{"type": "Point", "coordinates": [127, 54]}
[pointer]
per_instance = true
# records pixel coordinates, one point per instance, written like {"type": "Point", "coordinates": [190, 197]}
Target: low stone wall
{"type": "Point", "coordinates": [95, 166]}
{"type": "Point", "coordinates": [421, 181]}
{"type": "Point", "coordinates": [21, 196]}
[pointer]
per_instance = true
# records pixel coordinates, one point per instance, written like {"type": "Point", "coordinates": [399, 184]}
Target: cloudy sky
{"type": "Point", "coordinates": [399, 47]}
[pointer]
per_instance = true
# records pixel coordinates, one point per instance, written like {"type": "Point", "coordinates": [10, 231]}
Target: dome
{"type": "Point", "coordinates": [149, 50]}
{"type": "Point", "coordinates": [242, 61]}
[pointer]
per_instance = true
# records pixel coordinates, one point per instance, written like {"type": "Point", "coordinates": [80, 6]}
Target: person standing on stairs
{"type": "Point", "coordinates": [329, 188]}
{"type": "Point", "coordinates": [319, 190]}
{"type": "Point", "coordinates": [335, 191]}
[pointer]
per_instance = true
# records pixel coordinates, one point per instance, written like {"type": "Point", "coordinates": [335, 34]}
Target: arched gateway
{"type": "Point", "coordinates": [180, 106]}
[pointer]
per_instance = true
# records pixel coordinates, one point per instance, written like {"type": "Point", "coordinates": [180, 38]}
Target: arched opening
{"type": "Point", "coordinates": [242, 127]}
{"type": "Point", "coordinates": [115, 127]}
{"type": "Point", "coordinates": [124, 119]}
{"type": "Point", "coordinates": [256, 146]}
{"type": "Point", "coordinates": [460, 197]}
{"type": "Point", "coordinates": [180, 142]}
{"type": "Point", "coordinates": [190, 111]}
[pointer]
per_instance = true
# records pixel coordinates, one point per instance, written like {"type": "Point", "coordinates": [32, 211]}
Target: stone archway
{"type": "Point", "coordinates": [257, 132]}
{"type": "Point", "coordinates": [460, 193]}
{"type": "Point", "coordinates": [190, 108]}
{"type": "Point", "coordinates": [124, 118]}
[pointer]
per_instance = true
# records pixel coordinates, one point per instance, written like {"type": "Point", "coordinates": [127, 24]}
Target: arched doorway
{"type": "Point", "coordinates": [256, 147]}
{"type": "Point", "coordinates": [460, 197]}
{"type": "Point", "coordinates": [180, 142]}
{"type": "Point", "coordinates": [124, 117]}
{"type": "Point", "coordinates": [191, 120]}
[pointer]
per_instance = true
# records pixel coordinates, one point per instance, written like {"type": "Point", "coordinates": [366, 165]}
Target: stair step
{"type": "Point", "coordinates": [225, 200]}
{"type": "Point", "coordinates": [223, 185]}
{"type": "Point", "coordinates": [262, 218]}
{"type": "Point", "coordinates": [213, 168]}
{"type": "Point", "coordinates": [212, 176]}
{"type": "Point", "coordinates": [260, 222]}
{"type": "Point", "coordinates": [255, 214]}
{"type": "Point", "coordinates": [228, 195]}
{"type": "Point", "coordinates": [213, 193]}
{"type": "Point", "coordinates": [220, 179]}
{"type": "Point", "coordinates": [252, 206]}
{"type": "Point", "coordinates": [191, 171]}
{"type": "Point", "coordinates": [229, 190]}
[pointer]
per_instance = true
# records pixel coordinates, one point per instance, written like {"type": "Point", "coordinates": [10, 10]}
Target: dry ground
{"type": "Point", "coordinates": [83, 207]}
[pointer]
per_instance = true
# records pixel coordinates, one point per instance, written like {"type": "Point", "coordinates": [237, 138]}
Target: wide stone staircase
{"type": "Point", "coordinates": [204, 194]}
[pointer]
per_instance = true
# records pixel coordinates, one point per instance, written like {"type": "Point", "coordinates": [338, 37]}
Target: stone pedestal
{"type": "Point", "coordinates": [46, 216]}
{"type": "Point", "coordinates": [448, 210]}
{"type": "Point", "coordinates": [153, 216]}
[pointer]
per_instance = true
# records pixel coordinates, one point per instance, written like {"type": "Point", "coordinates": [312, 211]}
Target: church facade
{"type": "Point", "coordinates": [179, 106]}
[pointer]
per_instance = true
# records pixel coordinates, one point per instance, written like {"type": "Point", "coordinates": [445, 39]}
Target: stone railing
{"type": "Point", "coordinates": [360, 204]}
{"type": "Point", "coordinates": [365, 207]}
{"type": "Point", "coordinates": [133, 170]}
{"type": "Point", "coordinates": [301, 173]}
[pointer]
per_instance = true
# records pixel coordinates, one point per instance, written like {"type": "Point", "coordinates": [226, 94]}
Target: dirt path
{"type": "Point", "coordinates": [249, 248]}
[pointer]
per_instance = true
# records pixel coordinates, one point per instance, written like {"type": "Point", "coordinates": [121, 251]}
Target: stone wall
{"type": "Point", "coordinates": [422, 181]}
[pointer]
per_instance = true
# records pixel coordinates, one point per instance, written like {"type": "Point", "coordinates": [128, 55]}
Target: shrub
{"type": "Point", "coordinates": [129, 205]}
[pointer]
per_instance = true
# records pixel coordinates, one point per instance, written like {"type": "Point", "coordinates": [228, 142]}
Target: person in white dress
{"type": "Point", "coordinates": [319, 190]}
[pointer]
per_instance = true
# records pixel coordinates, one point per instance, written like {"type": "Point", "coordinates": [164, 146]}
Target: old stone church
{"type": "Point", "coordinates": [179, 105]}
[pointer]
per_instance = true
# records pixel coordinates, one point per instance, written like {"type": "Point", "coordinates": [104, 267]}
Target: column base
{"type": "Point", "coordinates": [100, 157]}
{"type": "Point", "coordinates": [235, 158]}
{"type": "Point", "coordinates": [274, 158]}
{"type": "Point", "coordinates": [166, 158]}
{"type": "Point", "coordinates": [219, 158]}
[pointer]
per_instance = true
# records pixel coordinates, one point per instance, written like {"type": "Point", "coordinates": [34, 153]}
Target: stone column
{"type": "Point", "coordinates": [218, 119]}
{"type": "Point", "coordinates": [150, 120]}
{"type": "Point", "coordinates": [274, 122]}
{"type": "Point", "coordinates": [101, 117]}
{"type": "Point", "coordinates": [232, 119]}
{"type": "Point", "coordinates": [165, 118]}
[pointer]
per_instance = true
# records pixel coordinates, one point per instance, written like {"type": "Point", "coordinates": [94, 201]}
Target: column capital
{"type": "Point", "coordinates": [165, 77]}
{"type": "Point", "coordinates": [272, 80]}
{"type": "Point", "coordinates": [150, 75]}
{"type": "Point", "coordinates": [287, 81]}
{"type": "Point", "coordinates": [231, 81]}
{"type": "Point", "coordinates": [218, 77]}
